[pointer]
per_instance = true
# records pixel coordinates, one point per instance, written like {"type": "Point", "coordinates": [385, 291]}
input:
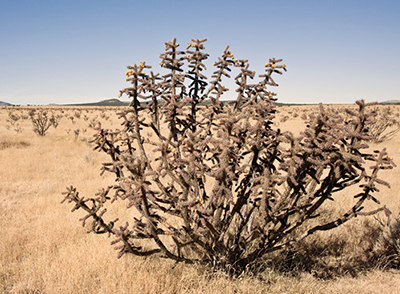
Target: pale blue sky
{"type": "Point", "coordinates": [77, 51]}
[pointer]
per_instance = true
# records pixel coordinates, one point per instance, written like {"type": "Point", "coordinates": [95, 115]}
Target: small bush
{"type": "Point", "coordinates": [13, 118]}
{"type": "Point", "coordinates": [385, 127]}
{"type": "Point", "coordinates": [389, 241]}
{"type": "Point", "coordinates": [42, 121]}
{"type": "Point", "coordinates": [12, 143]}
{"type": "Point", "coordinates": [216, 183]}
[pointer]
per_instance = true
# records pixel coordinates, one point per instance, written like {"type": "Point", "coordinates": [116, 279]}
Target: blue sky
{"type": "Point", "coordinates": [77, 51]}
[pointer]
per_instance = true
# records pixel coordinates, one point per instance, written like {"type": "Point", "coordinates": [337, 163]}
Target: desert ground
{"type": "Point", "coordinates": [44, 249]}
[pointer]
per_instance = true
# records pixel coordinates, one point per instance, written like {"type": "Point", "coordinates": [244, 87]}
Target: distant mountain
{"type": "Point", "coordinates": [391, 102]}
{"type": "Point", "coordinates": [107, 102]}
{"type": "Point", "coordinates": [116, 102]}
{"type": "Point", "coordinates": [5, 104]}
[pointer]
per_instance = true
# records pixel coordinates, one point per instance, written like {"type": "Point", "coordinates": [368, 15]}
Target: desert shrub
{"type": "Point", "coordinates": [76, 133]}
{"type": "Point", "coordinates": [360, 246]}
{"type": "Point", "coordinates": [18, 128]}
{"type": "Point", "coordinates": [284, 119]}
{"type": "Point", "coordinates": [304, 116]}
{"type": "Point", "coordinates": [55, 120]}
{"type": "Point", "coordinates": [42, 121]}
{"type": "Point", "coordinates": [216, 183]}
{"type": "Point", "coordinates": [93, 123]}
{"type": "Point", "coordinates": [12, 143]}
{"type": "Point", "coordinates": [385, 127]}
{"type": "Point", "coordinates": [77, 114]}
{"type": "Point", "coordinates": [13, 118]}
{"type": "Point", "coordinates": [103, 114]}
{"type": "Point", "coordinates": [388, 241]}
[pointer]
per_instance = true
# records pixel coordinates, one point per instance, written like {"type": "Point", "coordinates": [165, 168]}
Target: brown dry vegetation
{"type": "Point", "coordinates": [44, 250]}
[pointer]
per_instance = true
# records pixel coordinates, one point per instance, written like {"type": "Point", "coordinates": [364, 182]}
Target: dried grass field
{"type": "Point", "coordinates": [43, 248]}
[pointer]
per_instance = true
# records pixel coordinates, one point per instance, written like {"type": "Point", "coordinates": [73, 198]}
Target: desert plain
{"type": "Point", "coordinates": [44, 249]}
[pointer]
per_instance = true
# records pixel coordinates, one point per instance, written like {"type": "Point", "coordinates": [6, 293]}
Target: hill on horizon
{"type": "Point", "coordinates": [107, 102]}
{"type": "Point", "coordinates": [117, 102]}
{"type": "Point", "coordinates": [2, 103]}
{"type": "Point", "coordinates": [390, 102]}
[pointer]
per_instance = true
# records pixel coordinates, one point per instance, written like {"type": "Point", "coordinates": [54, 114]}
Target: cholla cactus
{"type": "Point", "coordinates": [385, 127]}
{"type": "Point", "coordinates": [216, 183]}
{"type": "Point", "coordinates": [42, 121]}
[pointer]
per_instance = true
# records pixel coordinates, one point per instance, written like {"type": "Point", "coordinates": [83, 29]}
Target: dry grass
{"type": "Point", "coordinates": [44, 250]}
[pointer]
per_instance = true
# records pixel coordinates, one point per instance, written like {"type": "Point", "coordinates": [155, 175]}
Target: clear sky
{"type": "Point", "coordinates": [72, 51]}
